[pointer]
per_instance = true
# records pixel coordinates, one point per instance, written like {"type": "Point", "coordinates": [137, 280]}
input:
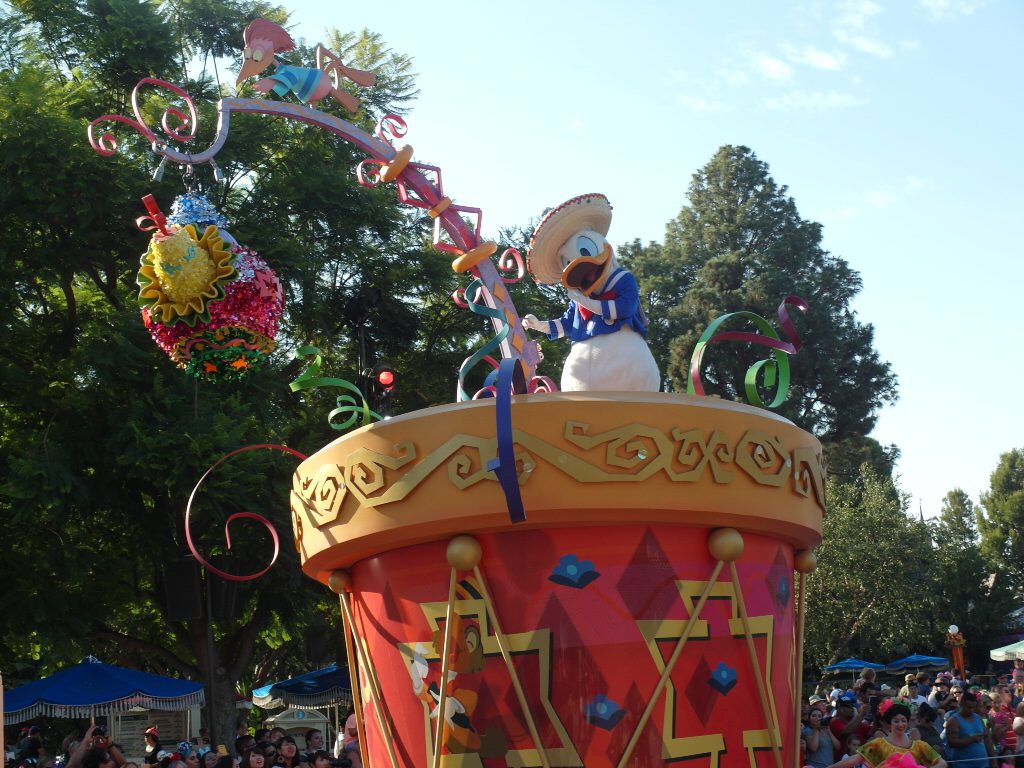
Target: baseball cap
{"type": "Point", "coordinates": [846, 701]}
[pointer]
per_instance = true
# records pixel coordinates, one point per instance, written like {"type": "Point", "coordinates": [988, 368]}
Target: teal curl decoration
{"type": "Point", "coordinates": [350, 407]}
{"type": "Point", "coordinates": [775, 369]}
{"type": "Point", "coordinates": [473, 292]}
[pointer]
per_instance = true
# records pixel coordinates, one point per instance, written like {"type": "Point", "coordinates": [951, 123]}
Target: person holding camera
{"type": "Point", "coordinates": [850, 719]}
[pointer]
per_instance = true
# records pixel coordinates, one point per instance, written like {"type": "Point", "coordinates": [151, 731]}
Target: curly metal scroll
{"type": "Point", "coordinates": [236, 516]}
{"type": "Point", "coordinates": [511, 260]}
{"type": "Point", "coordinates": [106, 144]}
{"type": "Point", "coordinates": [391, 127]}
{"type": "Point", "coordinates": [776, 367]}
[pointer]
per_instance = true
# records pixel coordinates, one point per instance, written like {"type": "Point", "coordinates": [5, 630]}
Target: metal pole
{"type": "Point", "coordinates": [210, 662]}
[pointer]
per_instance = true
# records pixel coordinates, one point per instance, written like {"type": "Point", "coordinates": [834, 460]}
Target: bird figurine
{"type": "Point", "coordinates": [264, 39]}
{"type": "Point", "coordinates": [604, 320]}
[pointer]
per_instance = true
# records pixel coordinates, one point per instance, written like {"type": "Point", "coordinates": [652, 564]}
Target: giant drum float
{"type": "Point", "coordinates": [645, 612]}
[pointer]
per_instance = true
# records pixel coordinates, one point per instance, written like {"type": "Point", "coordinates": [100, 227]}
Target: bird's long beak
{"type": "Point", "coordinates": [251, 68]}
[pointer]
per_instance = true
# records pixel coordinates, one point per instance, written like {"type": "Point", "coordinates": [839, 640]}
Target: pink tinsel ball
{"type": "Point", "coordinates": [242, 325]}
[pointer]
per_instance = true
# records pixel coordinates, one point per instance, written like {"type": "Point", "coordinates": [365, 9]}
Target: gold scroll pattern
{"type": "Point", "coordinates": [627, 454]}
{"type": "Point", "coordinates": [536, 641]}
{"type": "Point", "coordinates": [709, 745]}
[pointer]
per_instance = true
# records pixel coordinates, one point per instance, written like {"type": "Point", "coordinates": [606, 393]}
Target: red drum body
{"type": "Point", "coordinates": [647, 611]}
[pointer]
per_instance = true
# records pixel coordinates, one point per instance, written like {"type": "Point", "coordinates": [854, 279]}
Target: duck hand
{"type": "Point", "coordinates": [531, 322]}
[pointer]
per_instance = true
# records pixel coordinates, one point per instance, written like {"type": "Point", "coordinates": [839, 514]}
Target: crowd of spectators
{"type": "Point", "coordinates": [267, 748]}
{"type": "Point", "coordinates": [945, 721]}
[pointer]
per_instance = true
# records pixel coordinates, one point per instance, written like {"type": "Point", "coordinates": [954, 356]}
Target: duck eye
{"type": "Point", "coordinates": [257, 55]}
{"type": "Point", "coordinates": [585, 246]}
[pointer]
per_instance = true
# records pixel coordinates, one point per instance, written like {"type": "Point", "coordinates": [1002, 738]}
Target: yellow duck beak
{"type": "Point", "coordinates": [587, 272]}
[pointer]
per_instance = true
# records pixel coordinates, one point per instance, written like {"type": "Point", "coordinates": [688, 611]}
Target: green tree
{"type": "Point", "coordinates": [101, 438]}
{"type": "Point", "coordinates": [971, 593]}
{"type": "Point", "coordinates": [740, 244]}
{"type": "Point", "coordinates": [1001, 518]}
{"type": "Point", "coordinates": [873, 593]}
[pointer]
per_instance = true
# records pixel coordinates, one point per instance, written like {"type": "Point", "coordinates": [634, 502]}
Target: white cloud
{"type": "Point", "coordinates": [946, 9]}
{"type": "Point", "coordinates": [772, 68]}
{"type": "Point", "coordinates": [879, 198]}
{"type": "Point", "coordinates": [918, 184]}
{"type": "Point", "coordinates": [852, 28]}
{"type": "Point", "coordinates": [811, 101]}
{"type": "Point", "coordinates": [699, 104]}
{"type": "Point", "coordinates": [733, 77]}
{"type": "Point", "coordinates": [814, 57]}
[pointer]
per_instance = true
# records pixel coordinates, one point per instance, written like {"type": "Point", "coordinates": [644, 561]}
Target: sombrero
{"type": "Point", "coordinates": [590, 211]}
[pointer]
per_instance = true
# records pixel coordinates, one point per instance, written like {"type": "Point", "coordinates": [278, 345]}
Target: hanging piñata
{"type": "Point", "coordinates": [211, 304]}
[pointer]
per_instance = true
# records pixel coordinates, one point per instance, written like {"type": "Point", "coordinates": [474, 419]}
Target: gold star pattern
{"type": "Point", "coordinates": [537, 641]}
{"type": "Point", "coordinates": [711, 745]}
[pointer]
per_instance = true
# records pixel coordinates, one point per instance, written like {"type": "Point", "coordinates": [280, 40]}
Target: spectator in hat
{"type": "Point", "coordinates": [940, 696]}
{"type": "Point", "coordinates": [849, 719]}
{"type": "Point", "coordinates": [153, 747]}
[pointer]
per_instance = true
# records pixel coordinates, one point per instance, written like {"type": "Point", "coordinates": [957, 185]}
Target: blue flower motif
{"type": "Point", "coordinates": [782, 592]}
{"type": "Point", "coordinates": [573, 572]}
{"type": "Point", "coordinates": [603, 712]}
{"type": "Point", "coordinates": [723, 678]}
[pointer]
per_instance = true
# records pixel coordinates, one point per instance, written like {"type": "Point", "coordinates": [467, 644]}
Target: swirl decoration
{"type": "Point", "coordinates": [368, 172]}
{"type": "Point", "coordinates": [474, 305]}
{"type": "Point", "coordinates": [106, 144]}
{"type": "Point", "coordinates": [511, 260]}
{"type": "Point", "coordinates": [775, 367]}
{"type": "Point", "coordinates": [236, 516]}
{"type": "Point", "coordinates": [391, 127]}
{"type": "Point", "coordinates": [353, 407]}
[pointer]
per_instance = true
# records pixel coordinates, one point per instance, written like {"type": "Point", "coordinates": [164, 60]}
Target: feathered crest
{"type": "Point", "coordinates": [261, 29]}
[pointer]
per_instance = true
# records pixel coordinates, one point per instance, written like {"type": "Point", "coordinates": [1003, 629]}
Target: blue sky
{"type": "Point", "coordinates": [895, 125]}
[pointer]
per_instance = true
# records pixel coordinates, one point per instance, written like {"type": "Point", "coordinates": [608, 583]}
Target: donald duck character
{"type": "Point", "coordinates": [604, 321]}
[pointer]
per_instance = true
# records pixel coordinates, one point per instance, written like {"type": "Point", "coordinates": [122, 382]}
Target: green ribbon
{"type": "Point", "coordinates": [775, 369]}
{"type": "Point", "coordinates": [348, 406]}
{"type": "Point", "coordinates": [490, 346]}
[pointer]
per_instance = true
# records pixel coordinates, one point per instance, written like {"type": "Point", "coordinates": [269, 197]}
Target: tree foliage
{"type": "Point", "coordinates": [740, 244]}
{"type": "Point", "coordinates": [873, 593]}
{"type": "Point", "coordinates": [972, 592]}
{"type": "Point", "coordinates": [1001, 518]}
{"type": "Point", "coordinates": [101, 438]}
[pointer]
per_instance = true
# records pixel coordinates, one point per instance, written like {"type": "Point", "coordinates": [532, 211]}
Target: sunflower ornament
{"type": "Point", "coordinates": [212, 305]}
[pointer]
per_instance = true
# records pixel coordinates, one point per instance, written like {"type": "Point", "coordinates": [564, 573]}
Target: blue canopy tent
{"type": "Point", "coordinates": [313, 690]}
{"type": "Point", "coordinates": [93, 688]}
{"type": "Point", "coordinates": [853, 664]}
{"type": "Point", "coordinates": [917, 662]}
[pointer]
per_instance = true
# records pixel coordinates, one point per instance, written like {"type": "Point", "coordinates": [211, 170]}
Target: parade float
{"type": "Point", "coordinates": [599, 576]}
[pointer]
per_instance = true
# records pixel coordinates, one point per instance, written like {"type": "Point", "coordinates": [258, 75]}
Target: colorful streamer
{"type": "Point", "coordinates": [347, 405]}
{"type": "Point", "coordinates": [474, 290]}
{"type": "Point", "coordinates": [236, 516]}
{"type": "Point", "coordinates": [511, 380]}
{"type": "Point", "coordinates": [775, 368]}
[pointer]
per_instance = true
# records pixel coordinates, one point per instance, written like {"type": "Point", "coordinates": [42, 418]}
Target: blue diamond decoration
{"type": "Point", "coordinates": [573, 572]}
{"type": "Point", "coordinates": [603, 712]}
{"type": "Point", "coordinates": [723, 678]}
